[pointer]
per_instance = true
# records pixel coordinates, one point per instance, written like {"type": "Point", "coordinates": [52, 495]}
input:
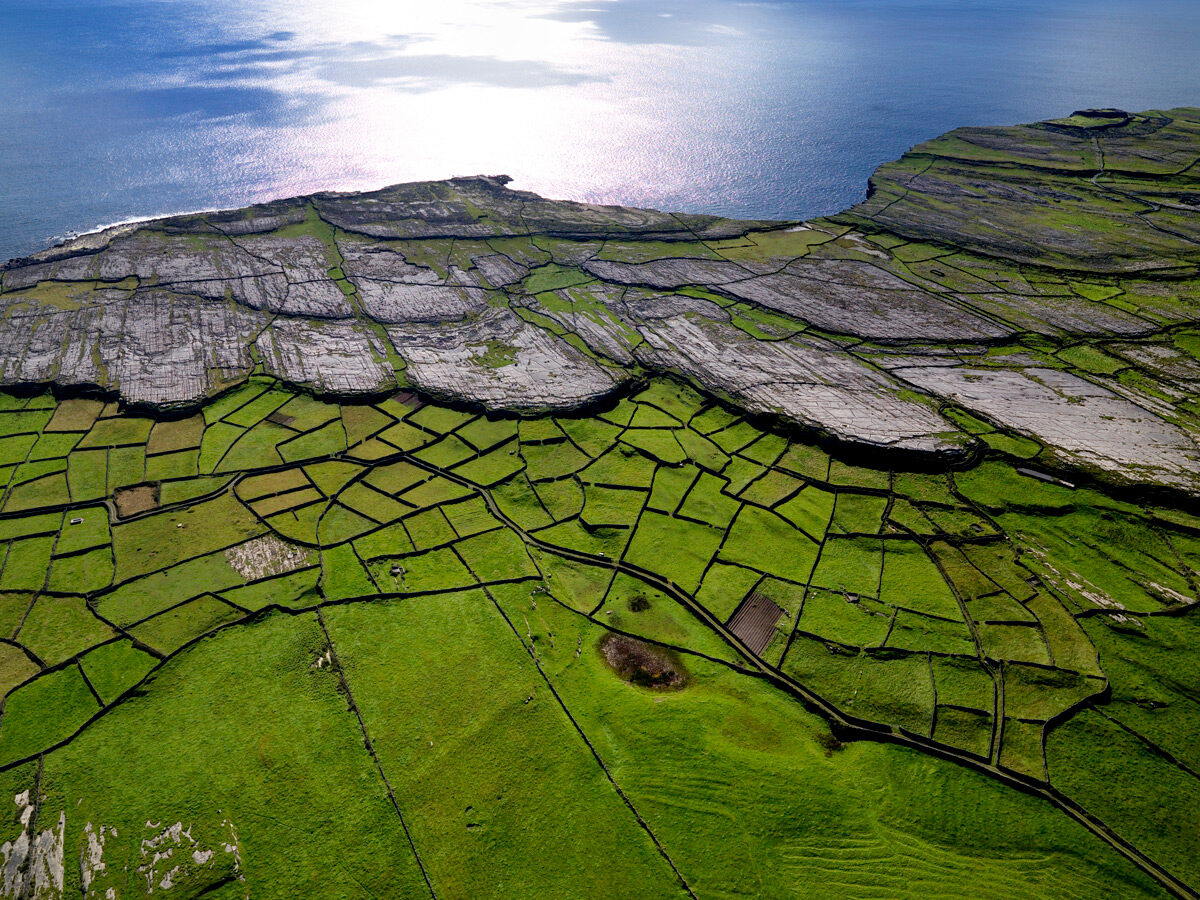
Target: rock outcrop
{"type": "Point", "coordinates": [1042, 278]}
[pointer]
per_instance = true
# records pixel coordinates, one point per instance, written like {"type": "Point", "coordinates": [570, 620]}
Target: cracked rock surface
{"type": "Point", "coordinates": [814, 384]}
{"type": "Point", "coordinates": [502, 362]}
{"type": "Point", "coordinates": [1075, 417]}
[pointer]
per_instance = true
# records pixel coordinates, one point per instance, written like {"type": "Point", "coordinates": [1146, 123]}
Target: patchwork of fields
{"type": "Point", "coordinates": [290, 647]}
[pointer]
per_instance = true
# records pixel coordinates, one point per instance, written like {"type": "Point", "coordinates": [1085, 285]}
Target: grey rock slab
{"type": "Point", "coordinates": [393, 303]}
{"type": "Point", "coordinates": [502, 362]}
{"type": "Point", "coordinates": [1060, 315]}
{"type": "Point", "coordinates": [257, 219]}
{"type": "Point", "coordinates": [864, 310]}
{"type": "Point", "coordinates": [172, 258]}
{"type": "Point", "coordinates": [464, 277]}
{"type": "Point", "coordinates": [69, 268]}
{"type": "Point", "coordinates": [646, 306]}
{"type": "Point", "coordinates": [498, 270]}
{"type": "Point", "coordinates": [207, 264]}
{"type": "Point", "coordinates": [572, 253]}
{"type": "Point", "coordinates": [1081, 422]}
{"type": "Point", "coordinates": [420, 210]}
{"type": "Point", "coordinates": [164, 352]}
{"type": "Point", "coordinates": [598, 324]}
{"type": "Point", "coordinates": [154, 347]}
{"type": "Point", "coordinates": [321, 299]}
{"type": "Point", "coordinates": [84, 244]}
{"type": "Point", "coordinates": [1161, 360]}
{"type": "Point", "coordinates": [481, 206]}
{"type": "Point", "coordinates": [668, 274]}
{"type": "Point", "coordinates": [331, 357]}
{"type": "Point", "coordinates": [1162, 406]}
{"type": "Point", "coordinates": [31, 347]}
{"type": "Point", "coordinates": [382, 262]}
{"type": "Point", "coordinates": [900, 358]}
{"type": "Point", "coordinates": [42, 344]}
{"type": "Point", "coordinates": [81, 358]}
{"type": "Point", "coordinates": [842, 296]}
{"type": "Point", "coordinates": [305, 261]}
{"type": "Point", "coordinates": [812, 384]}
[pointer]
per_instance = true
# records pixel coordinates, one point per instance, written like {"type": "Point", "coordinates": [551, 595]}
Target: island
{"type": "Point", "coordinates": [449, 541]}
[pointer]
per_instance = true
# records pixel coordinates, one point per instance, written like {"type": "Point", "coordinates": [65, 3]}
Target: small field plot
{"type": "Point", "coordinates": [845, 618]}
{"type": "Point", "coordinates": [115, 667]}
{"type": "Point", "coordinates": [57, 628]}
{"type": "Point", "coordinates": [175, 436]}
{"type": "Point", "coordinates": [724, 587]}
{"type": "Point", "coordinates": [502, 796]}
{"type": "Point", "coordinates": [760, 539]}
{"type": "Point", "coordinates": [635, 607]}
{"type": "Point", "coordinates": [892, 688]}
{"type": "Point", "coordinates": [912, 581]}
{"type": "Point", "coordinates": [135, 499]}
{"type": "Point", "coordinates": [579, 586]}
{"type": "Point", "coordinates": [76, 415]}
{"type": "Point", "coordinates": [159, 541]}
{"type": "Point", "coordinates": [169, 630]}
{"type": "Point", "coordinates": [674, 548]}
{"type": "Point", "coordinates": [754, 621]}
{"type": "Point", "coordinates": [492, 467]}
{"type": "Point", "coordinates": [43, 712]}
{"type": "Point", "coordinates": [15, 667]}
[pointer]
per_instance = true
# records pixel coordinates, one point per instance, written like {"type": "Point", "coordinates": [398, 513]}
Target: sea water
{"type": "Point", "coordinates": [113, 109]}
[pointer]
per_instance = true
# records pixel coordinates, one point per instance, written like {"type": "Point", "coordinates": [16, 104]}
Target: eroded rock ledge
{"type": "Point", "coordinates": [1039, 281]}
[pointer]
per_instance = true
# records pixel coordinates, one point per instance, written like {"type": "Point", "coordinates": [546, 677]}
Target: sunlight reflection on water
{"type": "Point", "coordinates": [120, 108]}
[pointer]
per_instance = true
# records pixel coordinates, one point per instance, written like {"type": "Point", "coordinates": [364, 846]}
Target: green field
{"type": "Point", "coordinates": [386, 671]}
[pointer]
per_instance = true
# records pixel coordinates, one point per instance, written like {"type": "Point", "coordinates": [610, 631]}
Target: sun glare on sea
{"type": "Point", "coordinates": [412, 90]}
{"type": "Point", "coordinates": [117, 109]}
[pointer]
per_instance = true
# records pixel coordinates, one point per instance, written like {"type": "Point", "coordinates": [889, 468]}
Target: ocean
{"type": "Point", "coordinates": [117, 109]}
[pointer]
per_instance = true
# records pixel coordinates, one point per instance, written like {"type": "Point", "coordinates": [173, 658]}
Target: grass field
{"type": "Point", "coordinates": [384, 664]}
